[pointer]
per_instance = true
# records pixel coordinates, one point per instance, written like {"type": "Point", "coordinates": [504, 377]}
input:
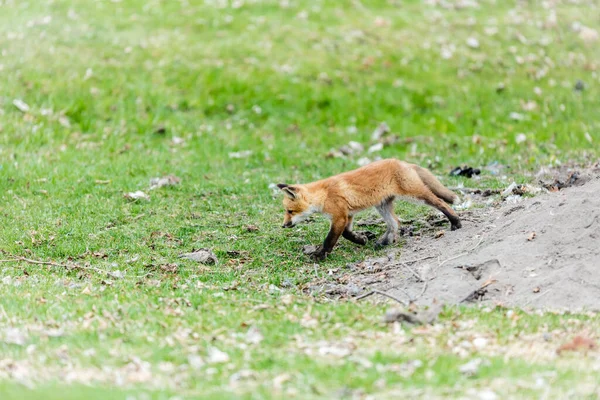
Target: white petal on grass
{"type": "Point", "coordinates": [473, 43]}
{"type": "Point", "coordinates": [254, 335]}
{"type": "Point", "coordinates": [588, 35]}
{"type": "Point", "coordinates": [516, 116]}
{"type": "Point", "coordinates": [195, 361]}
{"type": "Point", "coordinates": [21, 105]}
{"type": "Point", "coordinates": [376, 147]}
{"type": "Point", "coordinates": [363, 161]}
{"type": "Point", "coordinates": [177, 140]}
{"type": "Point", "coordinates": [355, 146]}
{"type": "Point", "coordinates": [470, 368]}
{"type": "Point", "coordinates": [216, 356]}
{"type": "Point", "coordinates": [14, 336]}
{"type": "Point", "coordinates": [240, 154]}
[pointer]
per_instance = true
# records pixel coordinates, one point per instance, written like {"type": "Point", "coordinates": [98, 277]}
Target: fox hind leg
{"type": "Point", "coordinates": [386, 209]}
{"type": "Point", "coordinates": [432, 200]}
{"type": "Point", "coordinates": [352, 236]}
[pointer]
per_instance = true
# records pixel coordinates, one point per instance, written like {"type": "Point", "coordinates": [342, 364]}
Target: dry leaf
{"type": "Point", "coordinates": [279, 380]}
{"type": "Point", "coordinates": [579, 343]}
{"type": "Point", "coordinates": [588, 35]}
{"type": "Point", "coordinates": [195, 361]}
{"type": "Point", "coordinates": [204, 256]}
{"type": "Point", "coordinates": [254, 335]}
{"type": "Point", "coordinates": [169, 268]}
{"type": "Point", "coordinates": [14, 336]}
{"type": "Point", "coordinates": [169, 180]}
{"type": "Point", "coordinates": [137, 195]}
{"type": "Point", "coordinates": [471, 368]}
{"type": "Point", "coordinates": [381, 130]}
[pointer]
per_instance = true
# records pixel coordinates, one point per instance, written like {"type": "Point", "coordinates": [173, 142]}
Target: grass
{"type": "Point", "coordinates": [121, 92]}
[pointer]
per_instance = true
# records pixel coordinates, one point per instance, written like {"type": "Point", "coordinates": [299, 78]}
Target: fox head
{"type": "Point", "coordinates": [296, 203]}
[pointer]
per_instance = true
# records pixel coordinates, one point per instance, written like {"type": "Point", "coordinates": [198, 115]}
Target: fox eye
{"type": "Point", "coordinates": [289, 212]}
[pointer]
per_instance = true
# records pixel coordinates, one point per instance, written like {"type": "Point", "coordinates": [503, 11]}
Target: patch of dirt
{"type": "Point", "coordinates": [533, 252]}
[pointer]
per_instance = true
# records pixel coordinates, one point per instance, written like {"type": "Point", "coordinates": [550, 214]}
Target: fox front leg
{"type": "Point", "coordinates": [335, 231]}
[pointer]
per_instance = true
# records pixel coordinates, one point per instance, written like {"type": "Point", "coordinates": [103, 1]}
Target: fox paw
{"type": "Point", "coordinates": [369, 235]}
{"type": "Point", "coordinates": [385, 240]}
{"type": "Point", "coordinates": [455, 226]}
{"type": "Point", "coordinates": [315, 252]}
{"type": "Point", "coordinates": [319, 255]}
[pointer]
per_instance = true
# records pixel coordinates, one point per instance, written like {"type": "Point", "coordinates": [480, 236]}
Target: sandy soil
{"type": "Point", "coordinates": [538, 252]}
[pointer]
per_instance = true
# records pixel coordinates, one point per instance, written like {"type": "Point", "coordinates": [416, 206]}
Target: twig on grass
{"type": "Point", "coordinates": [55, 264]}
{"type": "Point", "coordinates": [27, 260]}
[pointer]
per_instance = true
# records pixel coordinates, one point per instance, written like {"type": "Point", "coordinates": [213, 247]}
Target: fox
{"type": "Point", "coordinates": [378, 185]}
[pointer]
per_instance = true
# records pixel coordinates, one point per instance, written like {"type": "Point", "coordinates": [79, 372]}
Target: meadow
{"type": "Point", "coordinates": [232, 97]}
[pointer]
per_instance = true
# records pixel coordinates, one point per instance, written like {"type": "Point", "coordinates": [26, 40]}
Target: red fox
{"type": "Point", "coordinates": [377, 184]}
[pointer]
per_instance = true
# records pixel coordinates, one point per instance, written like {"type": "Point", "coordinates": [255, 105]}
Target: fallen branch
{"type": "Point", "coordinates": [418, 259]}
{"type": "Point", "coordinates": [461, 254]}
{"type": "Point", "coordinates": [379, 292]}
{"type": "Point", "coordinates": [422, 292]}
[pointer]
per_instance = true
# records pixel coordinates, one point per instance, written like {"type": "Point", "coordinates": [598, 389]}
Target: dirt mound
{"type": "Point", "coordinates": [538, 252]}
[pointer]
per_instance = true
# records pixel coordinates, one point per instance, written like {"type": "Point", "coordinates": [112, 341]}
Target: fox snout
{"type": "Point", "coordinates": [287, 224]}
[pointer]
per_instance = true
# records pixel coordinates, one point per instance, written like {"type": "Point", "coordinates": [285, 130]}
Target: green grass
{"type": "Point", "coordinates": [288, 84]}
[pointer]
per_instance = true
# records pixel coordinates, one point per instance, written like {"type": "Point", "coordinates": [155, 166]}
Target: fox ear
{"type": "Point", "coordinates": [290, 191]}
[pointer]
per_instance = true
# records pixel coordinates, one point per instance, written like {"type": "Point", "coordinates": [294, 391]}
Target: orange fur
{"type": "Point", "coordinates": [375, 185]}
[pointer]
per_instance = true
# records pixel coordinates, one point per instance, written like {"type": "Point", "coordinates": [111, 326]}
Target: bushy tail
{"type": "Point", "coordinates": [436, 186]}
